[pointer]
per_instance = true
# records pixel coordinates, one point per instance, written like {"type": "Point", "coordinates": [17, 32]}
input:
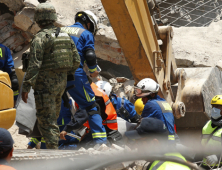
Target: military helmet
{"type": "Point", "coordinates": [217, 100]}
{"type": "Point", "coordinates": [45, 12]}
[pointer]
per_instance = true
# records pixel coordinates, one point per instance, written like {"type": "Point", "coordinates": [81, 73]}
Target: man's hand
{"type": "Point", "coordinates": [94, 74]}
{"type": "Point", "coordinates": [62, 135]}
{"type": "Point", "coordinates": [25, 96]}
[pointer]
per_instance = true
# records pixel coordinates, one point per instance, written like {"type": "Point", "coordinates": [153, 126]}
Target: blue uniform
{"type": "Point", "coordinates": [64, 118]}
{"type": "Point", "coordinates": [160, 109]}
{"type": "Point", "coordinates": [130, 108]}
{"type": "Point", "coordinates": [82, 92]}
{"type": "Point", "coordinates": [7, 63]}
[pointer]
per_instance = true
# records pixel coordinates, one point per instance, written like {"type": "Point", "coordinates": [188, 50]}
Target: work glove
{"type": "Point", "coordinates": [211, 160]}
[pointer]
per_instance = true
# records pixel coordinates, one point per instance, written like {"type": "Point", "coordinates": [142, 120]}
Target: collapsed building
{"type": "Point", "coordinates": [193, 46]}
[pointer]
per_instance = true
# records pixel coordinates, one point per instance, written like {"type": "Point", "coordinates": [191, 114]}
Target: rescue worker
{"type": "Point", "coordinates": [139, 106]}
{"type": "Point", "coordinates": [108, 115]}
{"type": "Point", "coordinates": [7, 65]}
{"type": "Point", "coordinates": [211, 135]}
{"type": "Point", "coordinates": [52, 55]}
{"type": "Point", "coordinates": [64, 118]}
{"type": "Point", "coordinates": [124, 108]}
{"type": "Point", "coordinates": [155, 106]}
{"type": "Point", "coordinates": [152, 134]}
{"type": "Point", "coordinates": [82, 33]}
{"type": "Point", "coordinates": [6, 149]}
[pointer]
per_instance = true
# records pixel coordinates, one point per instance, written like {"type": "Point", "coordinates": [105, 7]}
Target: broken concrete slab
{"type": "Point", "coordinates": [198, 46]}
{"type": "Point", "coordinates": [25, 18]}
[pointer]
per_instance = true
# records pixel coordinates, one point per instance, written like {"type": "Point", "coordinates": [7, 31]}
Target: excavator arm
{"type": "Point", "coordinates": [138, 35]}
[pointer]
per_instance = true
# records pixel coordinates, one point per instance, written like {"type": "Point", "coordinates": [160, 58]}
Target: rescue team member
{"type": "Point", "coordinates": [6, 149]}
{"type": "Point", "coordinates": [124, 108]}
{"type": "Point", "coordinates": [82, 33]}
{"type": "Point", "coordinates": [211, 135]}
{"type": "Point", "coordinates": [64, 118]}
{"type": "Point", "coordinates": [139, 106]}
{"type": "Point", "coordinates": [7, 65]}
{"type": "Point", "coordinates": [155, 106]}
{"type": "Point", "coordinates": [52, 55]}
{"type": "Point", "coordinates": [108, 115]}
{"type": "Point", "coordinates": [152, 134]}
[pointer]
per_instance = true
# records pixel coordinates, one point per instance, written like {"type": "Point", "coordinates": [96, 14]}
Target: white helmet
{"type": "Point", "coordinates": [104, 85]}
{"type": "Point", "coordinates": [91, 16]}
{"type": "Point", "coordinates": [146, 87]}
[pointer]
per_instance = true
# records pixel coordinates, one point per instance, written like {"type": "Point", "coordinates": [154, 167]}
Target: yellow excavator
{"type": "Point", "coordinates": [7, 112]}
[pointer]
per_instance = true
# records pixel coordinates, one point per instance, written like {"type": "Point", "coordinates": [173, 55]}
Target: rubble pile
{"type": "Point", "coordinates": [198, 46]}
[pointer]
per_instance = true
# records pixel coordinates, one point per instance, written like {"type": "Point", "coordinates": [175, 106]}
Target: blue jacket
{"type": "Point", "coordinates": [7, 63]}
{"type": "Point", "coordinates": [117, 103]}
{"type": "Point", "coordinates": [85, 41]}
{"type": "Point", "coordinates": [160, 109]}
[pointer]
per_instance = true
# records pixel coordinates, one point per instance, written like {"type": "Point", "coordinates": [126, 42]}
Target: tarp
{"type": "Point", "coordinates": [26, 113]}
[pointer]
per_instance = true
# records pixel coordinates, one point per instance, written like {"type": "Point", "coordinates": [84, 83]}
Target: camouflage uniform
{"type": "Point", "coordinates": [49, 62]}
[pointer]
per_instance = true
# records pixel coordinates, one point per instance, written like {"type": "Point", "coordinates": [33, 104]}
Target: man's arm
{"type": "Point", "coordinates": [90, 55]}
{"type": "Point", "coordinates": [35, 62]}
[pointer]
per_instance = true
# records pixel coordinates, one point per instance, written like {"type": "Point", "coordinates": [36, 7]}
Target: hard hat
{"type": "Point", "coordinates": [104, 85]}
{"type": "Point", "coordinates": [139, 106]}
{"type": "Point", "coordinates": [146, 87]}
{"type": "Point", "coordinates": [217, 100]}
{"type": "Point", "coordinates": [45, 12]}
{"type": "Point", "coordinates": [84, 15]}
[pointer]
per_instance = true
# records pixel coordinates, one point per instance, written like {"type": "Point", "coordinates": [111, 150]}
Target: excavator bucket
{"type": "Point", "coordinates": [7, 112]}
{"type": "Point", "coordinates": [189, 90]}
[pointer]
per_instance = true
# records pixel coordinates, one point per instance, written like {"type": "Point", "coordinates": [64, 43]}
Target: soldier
{"type": "Point", "coordinates": [52, 55]}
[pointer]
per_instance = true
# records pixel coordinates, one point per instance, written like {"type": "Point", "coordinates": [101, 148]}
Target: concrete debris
{"type": "Point", "coordinates": [25, 18]}
{"type": "Point", "coordinates": [31, 3]}
{"type": "Point", "coordinates": [14, 5]}
{"type": "Point", "coordinates": [103, 147]}
{"type": "Point", "coordinates": [198, 46]}
{"type": "Point", "coordinates": [117, 147]}
{"type": "Point", "coordinates": [82, 149]}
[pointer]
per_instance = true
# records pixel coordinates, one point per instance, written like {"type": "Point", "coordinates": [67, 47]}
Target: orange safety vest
{"type": "Point", "coordinates": [5, 167]}
{"type": "Point", "coordinates": [111, 120]}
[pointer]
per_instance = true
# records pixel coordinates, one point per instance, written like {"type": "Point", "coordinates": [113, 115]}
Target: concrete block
{"type": "Point", "coordinates": [35, 29]}
{"type": "Point", "coordinates": [25, 18]}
